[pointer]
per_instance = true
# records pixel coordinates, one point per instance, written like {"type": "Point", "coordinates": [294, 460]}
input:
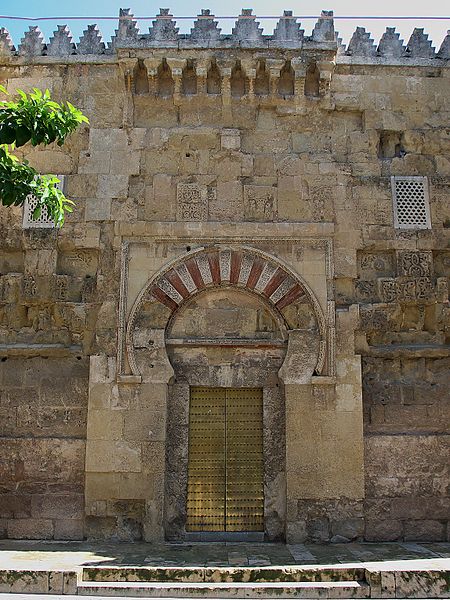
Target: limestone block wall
{"type": "Point", "coordinates": [43, 410]}
{"type": "Point", "coordinates": [124, 456]}
{"type": "Point", "coordinates": [286, 144]}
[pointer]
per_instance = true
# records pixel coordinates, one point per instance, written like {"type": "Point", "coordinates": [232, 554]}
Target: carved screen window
{"type": "Point", "coordinates": [411, 203]}
{"type": "Point", "coordinates": [44, 221]}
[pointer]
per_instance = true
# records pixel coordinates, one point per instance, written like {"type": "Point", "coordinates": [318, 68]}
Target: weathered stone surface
{"type": "Point", "coordinates": [34, 582]}
{"type": "Point", "coordinates": [30, 529]}
{"type": "Point", "coordinates": [198, 140]}
{"type": "Point", "coordinates": [383, 530]}
{"type": "Point", "coordinates": [43, 468]}
{"type": "Point", "coordinates": [424, 531]}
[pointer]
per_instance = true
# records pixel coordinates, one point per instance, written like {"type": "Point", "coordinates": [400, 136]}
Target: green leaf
{"type": "Point", "coordinates": [7, 134]}
{"type": "Point", "coordinates": [22, 135]}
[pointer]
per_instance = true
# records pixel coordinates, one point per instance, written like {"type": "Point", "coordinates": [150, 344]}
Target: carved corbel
{"type": "Point", "coordinates": [299, 75]}
{"type": "Point", "coordinates": [151, 64]}
{"type": "Point", "coordinates": [225, 70]}
{"type": "Point", "coordinates": [274, 66]}
{"type": "Point", "coordinates": [201, 70]}
{"type": "Point", "coordinates": [176, 66]}
{"type": "Point", "coordinates": [250, 74]}
{"type": "Point", "coordinates": [127, 66]}
{"type": "Point", "coordinates": [326, 69]}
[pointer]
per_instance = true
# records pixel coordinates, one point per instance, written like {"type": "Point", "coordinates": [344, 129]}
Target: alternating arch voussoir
{"type": "Point", "coordinates": [239, 267]}
{"type": "Point", "coordinates": [206, 268]}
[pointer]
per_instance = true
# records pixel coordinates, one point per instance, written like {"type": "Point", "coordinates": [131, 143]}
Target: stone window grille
{"type": "Point", "coordinates": [411, 202]}
{"type": "Point", "coordinates": [44, 221]}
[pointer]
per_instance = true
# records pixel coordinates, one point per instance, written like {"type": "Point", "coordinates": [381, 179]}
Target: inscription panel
{"type": "Point", "coordinates": [192, 202]}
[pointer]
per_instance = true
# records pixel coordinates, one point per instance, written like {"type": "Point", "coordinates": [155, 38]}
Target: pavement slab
{"type": "Point", "coordinates": [69, 556]}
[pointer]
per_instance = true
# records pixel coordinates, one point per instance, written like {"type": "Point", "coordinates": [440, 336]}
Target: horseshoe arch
{"type": "Point", "coordinates": [214, 266]}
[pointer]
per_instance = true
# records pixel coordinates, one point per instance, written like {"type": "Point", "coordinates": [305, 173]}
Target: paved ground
{"type": "Point", "coordinates": [37, 555]}
{"type": "Point", "coordinates": [68, 597]}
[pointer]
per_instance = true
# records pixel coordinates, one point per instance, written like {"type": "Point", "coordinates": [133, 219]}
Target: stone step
{"type": "Point", "coordinates": [299, 589]}
{"type": "Point", "coordinates": [222, 574]}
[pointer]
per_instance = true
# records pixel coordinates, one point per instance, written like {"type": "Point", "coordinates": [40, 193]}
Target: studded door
{"type": "Point", "coordinates": [225, 469]}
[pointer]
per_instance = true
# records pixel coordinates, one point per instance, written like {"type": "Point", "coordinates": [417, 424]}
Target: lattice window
{"type": "Point", "coordinates": [44, 220]}
{"type": "Point", "coordinates": [411, 203]}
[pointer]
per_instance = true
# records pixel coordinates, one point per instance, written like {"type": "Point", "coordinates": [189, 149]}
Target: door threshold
{"type": "Point", "coordinates": [224, 536]}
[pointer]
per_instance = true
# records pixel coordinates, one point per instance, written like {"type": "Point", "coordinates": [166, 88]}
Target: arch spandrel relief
{"type": "Point", "coordinates": [256, 272]}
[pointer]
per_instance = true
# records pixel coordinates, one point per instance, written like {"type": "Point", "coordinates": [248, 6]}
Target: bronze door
{"type": "Point", "coordinates": [225, 468]}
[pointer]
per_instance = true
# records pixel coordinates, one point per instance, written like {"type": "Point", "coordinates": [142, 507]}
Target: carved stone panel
{"type": "Point", "coordinates": [29, 286]}
{"type": "Point", "coordinates": [425, 289]}
{"type": "Point", "coordinates": [387, 289]}
{"type": "Point", "coordinates": [260, 203]}
{"type": "Point", "coordinates": [60, 286]}
{"type": "Point", "coordinates": [192, 202]}
{"type": "Point", "coordinates": [366, 290]}
{"type": "Point", "coordinates": [374, 319]}
{"type": "Point", "coordinates": [406, 289]}
{"type": "Point", "coordinates": [414, 264]}
{"type": "Point", "coordinates": [378, 264]}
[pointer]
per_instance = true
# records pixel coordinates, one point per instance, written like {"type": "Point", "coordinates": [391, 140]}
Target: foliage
{"type": "Point", "coordinates": [34, 118]}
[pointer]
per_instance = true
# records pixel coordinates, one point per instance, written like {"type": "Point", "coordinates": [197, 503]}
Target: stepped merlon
{"type": "Point", "coordinates": [246, 33]}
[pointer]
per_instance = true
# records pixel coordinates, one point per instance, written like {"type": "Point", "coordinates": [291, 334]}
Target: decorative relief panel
{"type": "Point", "coordinates": [186, 278]}
{"type": "Point", "coordinates": [320, 198]}
{"type": "Point", "coordinates": [225, 265]}
{"type": "Point", "coordinates": [414, 281]}
{"type": "Point", "coordinates": [366, 290]}
{"type": "Point", "coordinates": [260, 203]}
{"type": "Point", "coordinates": [407, 289]}
{"type": "Point", "coordinates": [425, 289]}
{"type": "Point", "coordinates": [246, 267]}
{"type": "Point", "coordinates": [29, 286]}
{"type": "Point", "coordinates": [266, 275]}
{"type": "Point", "coordinates": [192, 202]}
{"type": "Point", "coordinates": [388, 290]}
{"type": "Point", "coordinates": [374, 319]}
{"type": "Point", "coordinates": [380, 264]}
{"type": "Point", "coordinates": [60, 287]}
{"type": "Point", "coordinates": [205, 269]}
{"type": "Point", "coordinates": [414, 264]}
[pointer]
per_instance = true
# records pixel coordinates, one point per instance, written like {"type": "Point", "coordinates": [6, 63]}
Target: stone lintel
{"type": "Point", "coordinates": [31, 350]}
{"type": "Point", "coordinates": [250, 230]}
{"type": "Point", "coordinates": [407, 351]}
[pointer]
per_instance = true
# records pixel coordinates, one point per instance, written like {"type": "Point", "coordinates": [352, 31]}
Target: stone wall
{"type": "Point", "coordinates": [43, 409]}
{"type": "Point", "coordinates": [212, 161]}
{"type": "Point", "coordinates": [406, 394]}
{"type": "Point", "coordinates": [407, 427]}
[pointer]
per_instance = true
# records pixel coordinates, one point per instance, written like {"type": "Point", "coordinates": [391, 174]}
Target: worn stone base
{"type": "Point", "coordinates": [266, 582]}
